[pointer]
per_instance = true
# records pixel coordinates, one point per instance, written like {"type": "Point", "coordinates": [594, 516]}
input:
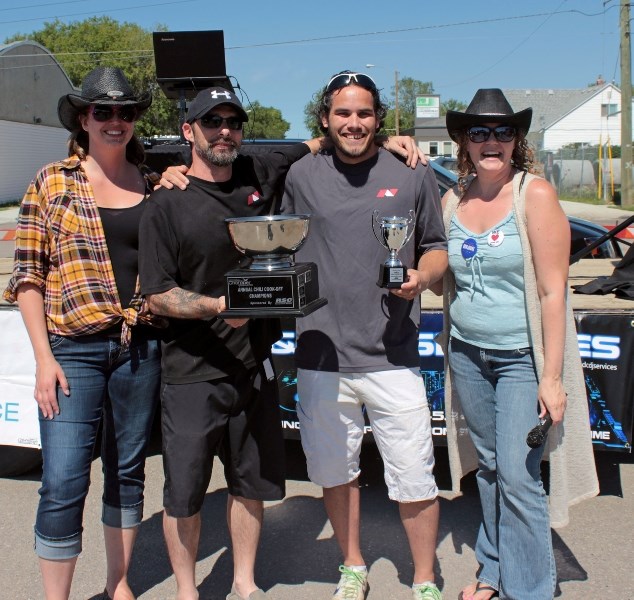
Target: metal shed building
{"type": "Point", "coordinates": [31, 83]}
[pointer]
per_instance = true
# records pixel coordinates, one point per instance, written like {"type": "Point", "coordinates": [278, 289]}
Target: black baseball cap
{"type": "Point", "coordinates": [209, 98]}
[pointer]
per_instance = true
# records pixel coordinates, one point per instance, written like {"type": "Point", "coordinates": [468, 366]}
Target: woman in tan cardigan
{"type": "Point", "coordinates": [511, 350]}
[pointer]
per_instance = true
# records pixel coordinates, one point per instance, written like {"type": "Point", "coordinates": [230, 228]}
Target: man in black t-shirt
{"type": "Point", "coordinates": [219, 393]}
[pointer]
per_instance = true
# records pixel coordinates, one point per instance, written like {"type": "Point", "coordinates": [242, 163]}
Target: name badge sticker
{"type": "Point", "coordinates": [469, 248]}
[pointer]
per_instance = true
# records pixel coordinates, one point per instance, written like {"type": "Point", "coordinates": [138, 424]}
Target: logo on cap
{"type": "Point", "coordinates": [215, 94]}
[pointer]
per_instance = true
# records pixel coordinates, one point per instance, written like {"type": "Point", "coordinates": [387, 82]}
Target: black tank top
{"type": "Point", "coordinates": [121, 227]}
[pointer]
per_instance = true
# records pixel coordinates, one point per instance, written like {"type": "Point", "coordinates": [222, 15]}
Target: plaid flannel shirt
{"type": "Point", "coordinates": [61, 248]}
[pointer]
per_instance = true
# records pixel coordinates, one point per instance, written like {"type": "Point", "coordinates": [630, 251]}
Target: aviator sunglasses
{"type": "Point", "coordinates": [502, 133]}
{"type": "Point", "coordinates": [210, 121]}
{"type": "Point", "coordinates": [344, 79]}
{"type": "Point", "coordinates": [105, 112]}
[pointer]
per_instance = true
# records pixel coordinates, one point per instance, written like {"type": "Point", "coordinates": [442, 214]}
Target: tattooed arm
{"type": "Point", "coordinates": [182, 304]}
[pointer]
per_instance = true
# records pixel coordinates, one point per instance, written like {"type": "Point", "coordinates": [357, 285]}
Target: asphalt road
{"type": "Point", "coordinates": [298, 556]}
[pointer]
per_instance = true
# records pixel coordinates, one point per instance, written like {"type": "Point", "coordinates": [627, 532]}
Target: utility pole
{"type": "Point", "coordinates": [626, 105]}
{"type": "Point", "coordinates": [396, 115]}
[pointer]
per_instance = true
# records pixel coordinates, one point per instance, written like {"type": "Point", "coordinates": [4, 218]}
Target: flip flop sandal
{"type": "Point", "coordinates": [481, 587]}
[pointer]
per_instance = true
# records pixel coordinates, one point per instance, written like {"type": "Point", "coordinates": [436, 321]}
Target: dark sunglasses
{"type": "Point", "coordinates": [215, 122]}
{"type": "Point", "coordinates": [344, 79]}
{"type": "Point", "coordinates": [105, 112]}
{"type": "Point", "coordinates": [502, 133]}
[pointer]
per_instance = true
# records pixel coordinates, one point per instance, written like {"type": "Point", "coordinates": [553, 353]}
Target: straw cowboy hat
{"type": "Point", "coordinates": [103, 85]}
{"type": "Point", "coordinates": [487, 106]}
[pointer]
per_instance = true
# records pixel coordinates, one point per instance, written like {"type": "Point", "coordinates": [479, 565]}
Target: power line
{"type": "Point", "coordinates": [92, 12]}
{"type": "Point", "coordinates": [332, 37]}
{"type": "Point", "coordinates": [145, 53]}
{"type": "Point", "coordinates": [515, 49]}
{"type": "Point", "coordinates": [40, 5]}
{"type": "Point", "coordinates": [419, 28]}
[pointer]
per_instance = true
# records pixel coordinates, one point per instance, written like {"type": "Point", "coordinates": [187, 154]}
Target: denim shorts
{"type": "Point", "coordinates": [330, 411]}
{"type": "Point", "coordinates": [110, 385]}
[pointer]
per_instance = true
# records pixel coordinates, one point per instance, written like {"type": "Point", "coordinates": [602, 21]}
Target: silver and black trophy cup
{"type": "Point", "coordinates": [273, 285]}
{"type": "Point", "coordinates": [394, 233]}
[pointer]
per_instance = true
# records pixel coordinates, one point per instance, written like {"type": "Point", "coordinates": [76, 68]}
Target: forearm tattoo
{"type": "Point", "coordinates": [183, 304]}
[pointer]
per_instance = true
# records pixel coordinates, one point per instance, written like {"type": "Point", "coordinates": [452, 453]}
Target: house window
{"type": "Point", "coordinates": [433, 148]}
{"type": "Point", "coordinates": [607, 110]}
{"type": "Point", "coordinates": [446, 148]}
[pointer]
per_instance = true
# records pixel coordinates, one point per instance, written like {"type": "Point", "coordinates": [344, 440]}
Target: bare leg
{"type": "Point", "coordinates": [57, 576]}
{"type": "Point", "coordinates": [182, 536]}
{"type": "Point", "coordinates": [119, 545]}
{"type": "Point", "coordinates": [343, 507]}
{"type": "Point", "coordinates": [420, 520]}
{"type": "Point", "coordinates": [244, 518]}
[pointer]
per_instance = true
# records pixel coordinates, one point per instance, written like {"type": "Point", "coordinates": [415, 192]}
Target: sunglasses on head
{"type": "Point", "coordinates": [211, 121]}
{"type": "Point", "coordinates": [344, 79]}
{"type": "Point", "coordinates": [105, 112]}
{"type": "Point", "coordinates": [481, 133]}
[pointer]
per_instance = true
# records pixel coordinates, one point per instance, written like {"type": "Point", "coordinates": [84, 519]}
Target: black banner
{"type": "Point", "coordinates": [606, 345]}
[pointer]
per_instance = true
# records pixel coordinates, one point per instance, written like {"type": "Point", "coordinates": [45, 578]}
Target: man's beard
{"type": "Point", "coordinates": [353, 151]}
{"type": "Point", "coordinates": [216, 158]}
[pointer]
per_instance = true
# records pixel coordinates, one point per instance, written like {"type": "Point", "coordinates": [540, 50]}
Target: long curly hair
{"type": "Point", "coordinates": [522, 158]}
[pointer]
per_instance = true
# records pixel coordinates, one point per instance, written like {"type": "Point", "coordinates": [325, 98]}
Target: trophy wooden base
{"type": "Point", "coordinates": [287, 292]}
{"type": "Point", "coordinates": [392, 277]}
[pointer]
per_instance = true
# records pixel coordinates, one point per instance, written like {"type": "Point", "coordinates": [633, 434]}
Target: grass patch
{"type": "Point", "coordinates": [11, 204]}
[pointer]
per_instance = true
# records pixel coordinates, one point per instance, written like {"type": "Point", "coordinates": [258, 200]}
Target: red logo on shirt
{"type": "Point", "coordinates": [388, 193]}
{"type": "Point", "coordinates": [253, 198]}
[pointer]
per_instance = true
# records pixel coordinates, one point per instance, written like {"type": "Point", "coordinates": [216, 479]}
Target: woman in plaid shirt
{"type": "Point", "coordinates": [97, 353]}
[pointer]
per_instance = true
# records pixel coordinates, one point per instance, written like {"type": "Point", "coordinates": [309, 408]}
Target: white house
{"type": "Point", "coordinates": [589, 115]}
{"type": "Point", "coordinates": [31, 83]}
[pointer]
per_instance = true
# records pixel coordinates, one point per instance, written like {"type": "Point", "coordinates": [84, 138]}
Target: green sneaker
{"type": "Point", "coordinates": [353, 585]}
{"type": "Point", "coordinates": [426, 591]}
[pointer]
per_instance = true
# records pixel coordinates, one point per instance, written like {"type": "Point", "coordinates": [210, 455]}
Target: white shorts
{"type": "Point", "coordinates": [330, 411]}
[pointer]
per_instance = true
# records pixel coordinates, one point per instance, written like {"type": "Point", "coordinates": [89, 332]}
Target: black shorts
{"type": "Point", "coordinates": [236, 417]}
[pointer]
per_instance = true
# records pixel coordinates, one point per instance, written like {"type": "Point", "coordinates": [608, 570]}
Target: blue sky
{"type": "Point", "coordinates": [282, 51]}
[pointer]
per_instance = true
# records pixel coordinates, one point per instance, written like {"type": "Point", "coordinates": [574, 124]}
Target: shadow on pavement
{"type": "Point", "coordinates": [294, 548]}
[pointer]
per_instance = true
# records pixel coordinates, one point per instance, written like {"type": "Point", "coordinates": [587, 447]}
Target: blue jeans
{"type": "Point", "coordinates": [498, 394]}
{"type": "Point", "coordinates": [120, 386]}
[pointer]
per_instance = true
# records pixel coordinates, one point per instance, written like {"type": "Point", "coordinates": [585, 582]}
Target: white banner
{"type": "Point", "coordinates": [18, 409]}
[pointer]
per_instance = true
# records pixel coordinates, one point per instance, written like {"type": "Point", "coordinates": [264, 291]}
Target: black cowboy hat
{"type": "Point", "coordinates": [487, 106]}
{"type": "Point", "coordinates": [103, 85]}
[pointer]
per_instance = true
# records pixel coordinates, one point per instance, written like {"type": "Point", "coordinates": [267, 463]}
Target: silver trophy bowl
{"type": "Point", "coordinates": [270, 240]}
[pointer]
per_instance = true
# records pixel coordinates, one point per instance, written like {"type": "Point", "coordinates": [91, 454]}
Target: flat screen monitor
{"type": "Point", "coordinates": [189, 61]}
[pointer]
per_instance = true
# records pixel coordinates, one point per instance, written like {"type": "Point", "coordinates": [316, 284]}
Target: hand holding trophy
{"type": "Point", "coordinates": [393, 235]}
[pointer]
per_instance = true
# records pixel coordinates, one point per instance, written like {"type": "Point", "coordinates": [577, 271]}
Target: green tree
{"type": "Point", "coordinates": [310, 120]}
{"type": "Point", "coordinates": [83, 45]}
{"type": "Point", "coordinates": [408, 89]}
{"type": "Point", "coordinates": [452, 104]}
{"type": "Point", "coordinates": [265, 122]}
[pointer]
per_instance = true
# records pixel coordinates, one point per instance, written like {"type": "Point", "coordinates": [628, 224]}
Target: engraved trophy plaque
{"type": "Point", "coordinates": [394, 233]}
{"type": "Point", "coordinates": [273, 285]}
